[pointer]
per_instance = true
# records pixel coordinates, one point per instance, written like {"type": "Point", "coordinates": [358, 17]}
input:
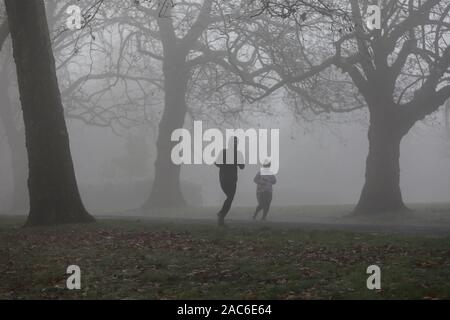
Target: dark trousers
{"type": "Point", "coordinates": [264, 200]}
{"type": "Point", "coordinates": [229, 188]}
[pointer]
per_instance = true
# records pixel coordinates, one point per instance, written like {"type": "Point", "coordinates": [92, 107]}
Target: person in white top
{"type": "Point", "coordinates": [264, 180]}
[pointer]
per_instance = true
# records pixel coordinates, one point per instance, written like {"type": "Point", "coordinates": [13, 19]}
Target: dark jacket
{"type": "Point", "coordinates": [264, 183]}
{"type": "Point", "coordinates": [228, 171]}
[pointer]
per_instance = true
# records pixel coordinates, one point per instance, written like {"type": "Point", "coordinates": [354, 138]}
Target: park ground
{"type": "Point", "coordinates": [301, 253]}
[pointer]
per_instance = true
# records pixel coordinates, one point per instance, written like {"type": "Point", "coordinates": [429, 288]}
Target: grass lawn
{"type": "Point", "coordinates": [132, 259]}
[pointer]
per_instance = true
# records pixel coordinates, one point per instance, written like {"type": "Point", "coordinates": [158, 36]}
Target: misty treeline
{"type": "Point", "coordinates": [164, 62]}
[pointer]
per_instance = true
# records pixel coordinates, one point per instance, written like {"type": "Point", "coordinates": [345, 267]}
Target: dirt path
{"type": "Point", "coordinates": [324, 224]}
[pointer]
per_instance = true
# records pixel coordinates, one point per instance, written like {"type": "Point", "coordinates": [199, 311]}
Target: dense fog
{"type": "Point", "coordinates": [320, 164]}
{"type": "Point", "coordinates": [322, 159]}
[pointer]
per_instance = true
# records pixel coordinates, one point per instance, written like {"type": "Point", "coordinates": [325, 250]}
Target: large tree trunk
{"type": "Point", "coordinates": [381, 192]}
{"type": "Point", "coordinates": [16, 142]}
{"type": "Point", "coordinates": [166, 190]}
{"type": "Point", "coordinates": [54, 195]}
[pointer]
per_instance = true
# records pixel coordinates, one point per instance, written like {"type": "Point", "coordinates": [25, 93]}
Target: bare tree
{"type": "Point", "coordinates": [54, 196]}
{"type": "Point", "coordinates": [144, 51]}
{"type": "Point", "coordinates": [179, 36]}
{"type": "Point", "coordinates": [401, 73]}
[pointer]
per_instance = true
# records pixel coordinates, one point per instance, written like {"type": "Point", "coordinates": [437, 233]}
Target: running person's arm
{"type": "Point", "coordinates": [274, 179]}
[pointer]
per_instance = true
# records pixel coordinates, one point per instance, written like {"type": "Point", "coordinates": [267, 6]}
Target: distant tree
{"type": "Point", "coordinates": [334, 64]}
{"type": "Point", "coordinates": [180, 37]}
{"type": "Point", "coordinates": [54, 195]}
{"type": "Point", "coordinates": [15, 137]}
{"type": "Point", "coordinates": [161, 61]}
{"type": "Point", "coordinates": [173, 49]}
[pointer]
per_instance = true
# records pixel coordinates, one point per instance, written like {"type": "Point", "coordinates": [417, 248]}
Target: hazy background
{"type": "Point", "coordinates": [319, 164]}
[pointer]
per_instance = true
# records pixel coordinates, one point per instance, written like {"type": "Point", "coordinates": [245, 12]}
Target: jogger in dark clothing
{"type": "Point", "coordinates": [228, 176]}
{"type": "Point", "coordinates": [229, 188]}
{"type": "Point", "coordinates": [264, 180]}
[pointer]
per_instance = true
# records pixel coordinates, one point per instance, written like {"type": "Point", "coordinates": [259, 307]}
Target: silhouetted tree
{"type": "Point", "coordinates": [401, 74]}
{"type": "Point", "coordinates": [175, 49]}
{"type": "Point", "coordinates": [54, 195]}
{"type": "Point", "coordinates": [178, 36]}
{"type": "Point", "coordinates": [166, 191]}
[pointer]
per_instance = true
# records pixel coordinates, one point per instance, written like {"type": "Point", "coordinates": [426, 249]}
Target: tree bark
{"type": "Point", "coordinates": [16, 142]}
{"type": "Point", "coordinates": [166, 190]}
{"type": "Point", "coordinates": [53, 191]}
{"type": "Point", "coordinates": [381, 192]}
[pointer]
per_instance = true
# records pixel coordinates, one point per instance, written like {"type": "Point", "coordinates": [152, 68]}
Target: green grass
{"type": "Point", "coordinates": [132, 259]}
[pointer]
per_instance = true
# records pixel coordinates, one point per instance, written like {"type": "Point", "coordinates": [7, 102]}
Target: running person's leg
{"type": "Point", "coordinates": [266, 205]}
{"type": "Point", "coordinates": [229, 188]}
{"type": "Point", "coordinates": [259, 207]}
